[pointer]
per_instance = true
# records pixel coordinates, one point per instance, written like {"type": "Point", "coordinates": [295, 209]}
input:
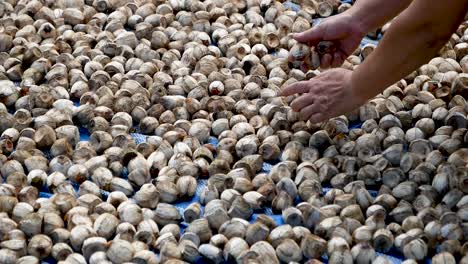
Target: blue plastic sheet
{"type": "Point", "coordinates": [394, 256]}
{"type": "Point", "coordinates": [182, 205]}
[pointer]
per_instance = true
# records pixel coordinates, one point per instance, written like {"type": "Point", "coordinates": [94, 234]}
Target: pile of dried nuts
{"type": "Point", "coordinates": [180, 71]}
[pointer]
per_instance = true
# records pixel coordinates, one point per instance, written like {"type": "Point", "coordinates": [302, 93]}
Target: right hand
{"type": "Point", "coordinates": [330, 94]}
{"type": "Point", "coordinates": [345, 31]}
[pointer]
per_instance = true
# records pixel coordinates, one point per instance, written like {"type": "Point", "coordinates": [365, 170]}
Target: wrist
{"type": "Point", "coordinates": [362, 22]}
{"type": "Point", "coordinates": [359, 91]}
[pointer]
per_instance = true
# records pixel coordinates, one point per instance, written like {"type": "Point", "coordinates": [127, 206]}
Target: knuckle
{"type": "Point", "coordinates": [324, 104]}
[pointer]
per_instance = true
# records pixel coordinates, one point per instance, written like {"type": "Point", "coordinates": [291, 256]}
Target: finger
{"type": "Point", "coordinates": [326, 61]}
{"type": "Point", "coordinates": [348, 47]}
{"type": "Point", "coordinates": [302, 101]}
{"type": "Point", "coordinates": [298, 87]}
{"type": "Point", "coordinates": [336, 60]}
{"type": "Point", "coordinates": [343, 56]}
{"type": "Point", "coordinates": [307, 112]}
{"type": "Point", "coordinates": [317, 117]}
{"type": "Point", "coordinates": [311, 36]}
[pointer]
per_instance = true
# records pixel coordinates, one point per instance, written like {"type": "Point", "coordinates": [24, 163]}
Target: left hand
{"type": "Point", "coordinates": [344, 30]}
{"type": "Point", "coordinates": [328, 95]}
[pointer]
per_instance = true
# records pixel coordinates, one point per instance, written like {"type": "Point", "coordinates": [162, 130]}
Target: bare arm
{"type": "Point", "coordinates": [372, 14]}
{"type": "Point", "coordinates": [413, 39]}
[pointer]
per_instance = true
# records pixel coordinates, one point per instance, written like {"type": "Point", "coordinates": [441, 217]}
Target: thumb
{"type": "Point", "coordinates": [311, 36]}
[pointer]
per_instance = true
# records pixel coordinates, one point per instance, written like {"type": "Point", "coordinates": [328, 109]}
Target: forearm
{"type": "Point", "coordinates": [413, 39]}
{"type": "Point", "coordinates": [372, 14]}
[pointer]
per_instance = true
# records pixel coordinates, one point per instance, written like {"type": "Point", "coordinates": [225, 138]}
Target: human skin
{"type": "Point", "coordinates": [349, 28]}
{"type": "Point", "coordinates": [414, 37]}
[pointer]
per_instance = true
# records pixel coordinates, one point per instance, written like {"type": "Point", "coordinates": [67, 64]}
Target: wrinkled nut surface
{"type": "Point", "coordinates": [324, 47]}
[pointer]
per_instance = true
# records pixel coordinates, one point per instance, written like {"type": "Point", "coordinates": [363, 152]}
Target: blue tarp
{"type": "Point", "coordinates": [394, 256]}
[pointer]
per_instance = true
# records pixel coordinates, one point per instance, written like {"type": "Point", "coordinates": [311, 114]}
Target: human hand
{"type": "Point", "coordinates": [343, 30]}
{"type": "Point", "coordinates": [329, 94]}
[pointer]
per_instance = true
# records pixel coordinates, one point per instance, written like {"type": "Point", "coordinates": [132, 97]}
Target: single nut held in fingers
{"type": "Point", "coordinates": [300, 52]}
{"type": "Point", "coordinates": [312, 62]}
{"type": "Point", "coordinates": [307, 58]}
{"type": "Point", "coordinates": [324, 47]}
